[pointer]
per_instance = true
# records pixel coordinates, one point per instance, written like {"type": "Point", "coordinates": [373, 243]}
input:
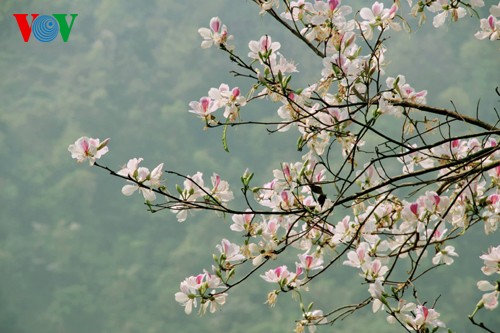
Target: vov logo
{"type": "Point", "coordinates": [45, 28]}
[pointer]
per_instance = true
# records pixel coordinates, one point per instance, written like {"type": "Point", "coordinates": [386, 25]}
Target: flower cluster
{"type": "Point", "coordinates": [223, 97]}
{"type": "Point", "coordinates": [443, 10]}
{"type": "Point", "coordinates": [491, 267]}
{"type": "Point", "coordinates": [349, 162]}
{"type": "Point", "coordinates": [379, 229]}
{"type": "Point", "coordinates": [399, 91]}
{"type": "Point", "coordinates": [201, 287]}
{"type": "Point", "coordinates": [195, 189]}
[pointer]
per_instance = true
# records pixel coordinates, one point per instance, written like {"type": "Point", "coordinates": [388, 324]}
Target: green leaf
{"type": "Point", "coordinates": [310, 307]}
{"type": "Point", "coordinates": [300, 143]}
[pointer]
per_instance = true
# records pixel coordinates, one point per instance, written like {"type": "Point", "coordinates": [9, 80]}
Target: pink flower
{"type": "Point", "coordinates": [491, 261]}
{"type": "Point", "coordinates": [344, 230]}
{"type": "Point", "coordinates": [242, 222]}
{"type": "Point", "coordinates": [375, 270]}
{"type": "Point", "coordinates": [216, 35]}
{"type": "Point", "coordinates": [377, 13]}
{"type": "Point", "coordinates": [259, 49]}
{"type": "Point", "coordinates": [229, 99]}
{"type": "Point", "coordinates": [489, 300]}
{"type": "Point", "coordinates": [490, 28]}
{"type": "Point", "coordinates": [187, 295]}
{"type": "Point", "coordinates": [220, 190]}
{"type": "Point", "coordinates": [277, 275]}
{"type": "Point", "coordinates": [425, 317]}
{"type": "Point", "coordinates": [88, 149]}
{"type": "Point", "coordinates": [230, 251]}
{"type": "Point", "coordinates": [378, 16]}
{"type": "Point", "coordinates": [200, 286]}
{"type": "Point", "coordinates": [310, 263]}
{"type": "Point", "coordinates": [404, 90]}
{"type": "Point", "coordinates": [203, 108]}
{"type": "Point", "coordinates": [358, 258]}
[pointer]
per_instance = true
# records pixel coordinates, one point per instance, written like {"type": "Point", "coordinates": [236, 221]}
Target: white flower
{"type": "Point", "coordinates": [423, 317]}
{"type": "Point", "coordinates": [489, 300]}
{"type": "Point", "coordinates": [376, 290]}
{"type": "Point", "coordinates": [491, 261]}
{"type": "Point", "coordinates": [444, 256]}
{"type": "Point", "coordinates": [88, 149]}
{"type": "Point", "coordinates": [314, 318]}
{"type": "Point", "coordinates": [230, 250]}
{"type": "Point", "coordinates": [144, 180]}
{"type": "Point", "coordinates": [216, 35]}
{"type": "Point", "coordinates": [490, 28]}
{"type": "Point", "coordinates": [260, 48]}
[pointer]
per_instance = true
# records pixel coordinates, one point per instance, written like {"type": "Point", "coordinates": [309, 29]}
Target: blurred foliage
{"type": "Point", "coordinates": [78, 257]}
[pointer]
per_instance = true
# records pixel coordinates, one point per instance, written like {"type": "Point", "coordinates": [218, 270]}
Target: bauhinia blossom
{"type": "Point", "coordinates": [88, 149]}
{"type": "Point", "coordinates": [242, 222]}
{"type": "Point", "coordinates": [203, 108]}
{"type": "Point", "coordinates": [230, 251]}
{"type": "Point", "coordinates": [491, 266]}
{"type": "Point", "coordinates": [144, 180]}
{"type": "Point", "coordinates": [310, 262]}
{"type": "Point", "coordinates": [441, 7]}
{"type": "Point", "coordinates": [201, 288]}
{"type": "Point", "coordinates": [229, 99]}
{"type": "Point", "coordinates": [378, 16]}
{"type": "Point", "coordinates": [403, 91]}
{"type": "Point", "coordinates": [277, 275]}
{"type": "Point", "coordinates": [491, 261]}
{"type": "Point", "coordinates": [490, 299]}
{"type": "Point", "coordinates": [376, 290]}
{"type": "Point", "coordinates": [220, 190]}
{"type": "Point", "coordinates": [445, 256]}
{"type": "Point", "coordinates": [194, 188]}
{"type": "Point", "coordinates": [263, 49]}
{"type": "Point", "coordinates": [217, 34]}
{"type": "Point", "coordinates": [424, 317]}
{"type": "Point", "coordinates": [490, 26]}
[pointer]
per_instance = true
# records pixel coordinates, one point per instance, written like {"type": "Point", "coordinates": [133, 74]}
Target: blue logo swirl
{"type": "Point", "coordinates": [45, 28]}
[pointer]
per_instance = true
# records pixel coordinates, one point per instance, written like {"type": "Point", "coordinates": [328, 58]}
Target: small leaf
{"type": "Point", "coordinates": [300, 143]}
